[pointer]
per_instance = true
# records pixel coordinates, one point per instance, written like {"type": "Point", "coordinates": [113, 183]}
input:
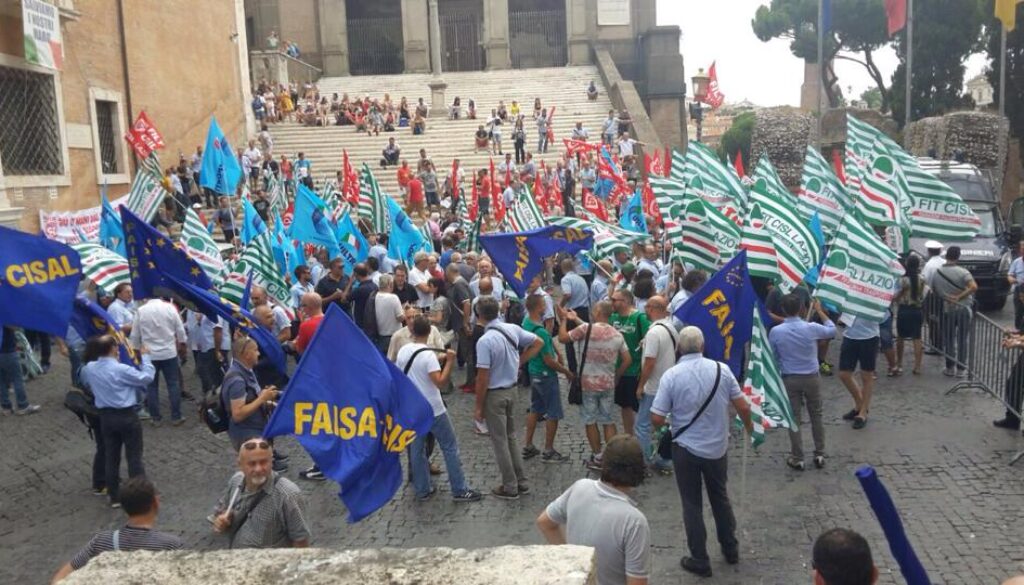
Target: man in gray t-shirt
{"type": "Point", "coordinates": [955, 285]}
{"type": "Point", "coordinates": [599, 513]}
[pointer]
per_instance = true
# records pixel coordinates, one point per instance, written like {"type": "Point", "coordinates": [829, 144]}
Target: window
{"type": "Point", "coordinates": [106, 116]}
{"type": "Point", "coordinates": [30, 137]}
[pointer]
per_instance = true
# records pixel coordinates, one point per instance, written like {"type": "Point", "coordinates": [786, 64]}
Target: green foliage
{"type": "Point", "coordinates": [946, 32]}
{"type": "Point", "coordinates": [737, 138]}
{"type": "Point", "coordinates": [872, 98]}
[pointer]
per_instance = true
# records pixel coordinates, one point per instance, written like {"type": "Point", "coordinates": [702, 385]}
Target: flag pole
{"type": "Point", "coordinates": [821, 66]}
{"type": "Point", "coordinates": [1002, 70]}
{"type": "Point", "coordinates": [910, 60]}
{"type": "Point", "coordinates": [743, 480]}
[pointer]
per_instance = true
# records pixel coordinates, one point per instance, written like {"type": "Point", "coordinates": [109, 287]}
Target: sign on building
{"type": "Point", "coordinates": [43, 45]}
{"type": "Point", "coordinates": [612, 12]}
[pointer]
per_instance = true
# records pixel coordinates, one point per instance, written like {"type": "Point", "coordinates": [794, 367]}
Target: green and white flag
{"type": "Point", "coordinates": [257, 258]}
{"type": "Point", "coordinates": [883, 190]}
{"type": "Point", "coordinates": [772, 183]}
{"type": "Point", "coordinates": [428, 237]}
{"type": "Point", "coordinates": [934, 209]}
{"type": "Point", "coordinates": [712, 180]}
{"type": "Point", "coordinates": [699, 249]}
{"type": "Point", "coordinates": [373, 206]}
{"type": "Point", "coordinates": [670, 196]}
{"type": "Point", "coordinates": [861, 273]}
{"type": "Point", "coordinates": [860, 136]}
{"type": "Point", "coordinates": [821, 191]}
{"type": "Point", "coordinates": [472, 241]}
{"type": "Point", "coordinates": [763, 387]}
{"type": "Point", "coordinates": [524, 214]}
{"type": "Point", "coordinates": [678, 170]}
{"type": "Point", "coordinates": [757, 241]}
{"type": "Point", "coordinates": [727, 233]}
{"type": "Point", "coordinates": [796, 248]}
{"type": "Point", "coordinates": [105, 268]}
{"type": "Point", "coordinates": [278, 199]}
{"type": "Point", "coordinates": [147, 193]}
{"type": "Point", "coordinates": [199, 245]}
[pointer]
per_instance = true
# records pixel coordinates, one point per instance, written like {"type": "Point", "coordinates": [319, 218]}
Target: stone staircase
{"type": "Point", "coordinates": [561, 87]}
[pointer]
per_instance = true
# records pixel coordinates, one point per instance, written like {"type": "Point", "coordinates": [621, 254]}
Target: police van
{"type": "Point", "coordinates": [988, 255]}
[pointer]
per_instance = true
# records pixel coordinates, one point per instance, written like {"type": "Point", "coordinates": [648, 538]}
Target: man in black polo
{"type": "Point", "coordinates": [333, 285]}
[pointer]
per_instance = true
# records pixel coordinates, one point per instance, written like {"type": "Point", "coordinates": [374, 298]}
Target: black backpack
{"type": "Point", "coordinates": [213, 412]}
{"type": "Point", "coordinates": [82, 403]}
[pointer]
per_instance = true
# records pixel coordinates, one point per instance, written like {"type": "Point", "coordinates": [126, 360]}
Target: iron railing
{"type": "Point", "coordinates": [375, 46]}
{"type": "Point", "coordinates": [537, 39]}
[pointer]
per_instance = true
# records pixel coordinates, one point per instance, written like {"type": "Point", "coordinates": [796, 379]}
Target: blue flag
{"type": "Point", "coordinates": [246, 292]}
{"type": "Point", "coordinates": [519, 256]}
{"type": "Point", "coordinates": [111, 232]}
{"type": "Point", "coordinates": [723, 309]}
{"type": "Point", "coordinates": [354, 247]}
{"type": "Point", "coordinates": [152, 257]}
{"type": "Point", "coordinates": [89, 319]}
{"type": "Point", "coordinates": [310, 223]}
{"type": "Point", "coordinates": [283, 247]}
{"type": "Point", "coordinates": [354, 412]}
{"type": "Point", "coordinates": [38, 282]}
{"type": "Point", "coordinates": [211, 305]}
{"type": "Point", "coordinates": [811, 278]}
{"type": "Point", "coordinates": [220, 171]}
{"type": "Point", "coordinates": [889, 517]}
{"type": "Point", "coordinates": [405, 238]}
{"type": "Point", "coordinates": [252, 224]}
{"type": "Point", "coordinates": [633, 219]}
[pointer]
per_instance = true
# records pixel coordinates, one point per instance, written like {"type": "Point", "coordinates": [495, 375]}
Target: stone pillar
{"type": "Point", "coordinates": [495, 38]}
{"type": "Point", "coordinates": [242, 48]}
{"type": "Point", "coordinates": [577, 24]}
{"type": "Point", "coordinates": [415, 38]}
{"type": "Point", "coordinates": [666, 85]}
{"type": "Point", "coordinates": [334, 36]}
{"type": "Point", "coordinates": [809, 89]}
{"type": "Point", "coordinates": [437, 84]}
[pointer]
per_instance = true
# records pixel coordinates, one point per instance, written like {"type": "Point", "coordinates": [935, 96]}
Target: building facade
{"type": "Point", "coordinates": [61, 130]}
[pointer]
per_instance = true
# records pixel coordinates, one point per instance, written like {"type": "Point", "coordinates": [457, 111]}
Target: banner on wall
{"type": "Point", "coordinates": [43, 44]}
{"type": "Point", "coordinates": [74, 227]}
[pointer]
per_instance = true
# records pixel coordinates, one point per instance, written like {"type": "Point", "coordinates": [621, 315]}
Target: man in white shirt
{"type": "Point", "coordinates": [282, 322]}
{"type": "Point", "coordinates": [303, 284]}
{"type": "Point", "coordinates": [934, 261]}
{"type": "Point", "coordinates": [388, 310]}
{"type": "Point", "coordinates": [485, 269]}
{"type": "Point", "coordinates": [626, 145]}
{"type": "Point", "coordinates": [659, 354]}
{"type": "Point", "coordinates": [579, 132]}
{"type": "Point", "coordinates": [158, 327]}
{"type": "Point", "coordinates": [420, 363]}
{"type": "Point", "coordinates": [933, 303]}
{"type": "Point", "coordinates": [122, 310]}
{"type": "Point", "coordinates": [419, 278]}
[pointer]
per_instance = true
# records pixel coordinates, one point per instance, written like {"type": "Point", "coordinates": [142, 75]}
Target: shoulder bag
{"type": "Point", "coordinates": [666, 440]}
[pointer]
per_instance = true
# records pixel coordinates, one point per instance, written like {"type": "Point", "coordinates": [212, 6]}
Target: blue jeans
{"type": "Point", "coordinates": [445, 435]}
{"type": "Point", "coordinates": [10, 375]}
{"type": "Point", "coordinates": [172, 375]}
{"type": "Point", "coordinates": [75, 360]}
{"type": "Point", "coordinates": [643, 432]}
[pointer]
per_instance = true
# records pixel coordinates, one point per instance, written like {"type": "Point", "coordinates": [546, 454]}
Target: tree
{"type": "Point", "coordinates": [858, 29]}
{"type": "Point", "coordinates": [1014, 69]}
{"type": "Point", "coordinates": [872, 98]}
{"type": "Point", "coordinates": [737, 138]}
{"type": "Point", "coordinates": [946, 32]}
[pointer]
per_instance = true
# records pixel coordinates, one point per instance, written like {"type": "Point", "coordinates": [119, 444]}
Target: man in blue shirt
{"type": "Point", "coordinates": [795, 344]}
{"type": "Point", "coordinates": [860, 346]}
{"type": "Point", "coordinates": [1016, 278]}
{"type": "Point", "coordinates": [497, 369]}
{"type": "Point", "coordinates": [575, 296]}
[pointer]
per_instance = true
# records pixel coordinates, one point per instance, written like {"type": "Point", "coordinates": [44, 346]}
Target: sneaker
{"type": "Point", "coordinates": [961, 373]}
{"type": "Point", "coordinates": [312, 474]}
{"type": "Point", "coordinates": [178, 421]}
{"type": "Point", "coordinates": [529, 452]}
{"type": "Point", "coordinates": [6, 411]}
{"type": "Point", "coordinates": [115, 505]}
{"type": "Point", "coordinates": [480, 428]}
{"type": "Point", "coordinates": [280, 466]}
{"type": "Point", "coordinates": [500, 493]}
{"type": "Point", "coordinates": [795, 463]}
{"type": "Point", "coordinates": [30, 409]}
{"type": "Point", "coordinates": [594, 463]}
{"type": "Point", "coordinates": [819, 461]}
{"type": "Point", "coordinates": [144, 414]}
{"type": "Point", "coordinates": [468, 496]}
{"type": "Point", "coordinates": [99, 491]}
{"type": "Point", "coordinates": [948, 372]}
{"type": "Point", "coordinates": [553, 456]}
{"type": "Point", "coordinates": [428, 495]}
{"type": "Point", "coordinates": [523, 489]}
{"type": "Point", "coordinates": [693, 566]}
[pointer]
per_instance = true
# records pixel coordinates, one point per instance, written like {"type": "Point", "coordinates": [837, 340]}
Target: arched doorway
{"type": "Point", "coordinates": [375, 37]}
{"type": "Point", "coordinates": [461, 28]}
{"type": "Point", "coordinates": [537, 33]}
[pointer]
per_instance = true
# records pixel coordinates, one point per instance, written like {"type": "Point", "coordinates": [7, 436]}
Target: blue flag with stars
{"type": "Point", "coordinates": [519, 256]}
{"type": "Point", "coordinates": [152, 257]}
{"type": "Point", "coordinates": [354, 412]}
{"type": "Point", "coordinates": [723, 309]}
{"type": "Point", "coordinates": [89, 319]}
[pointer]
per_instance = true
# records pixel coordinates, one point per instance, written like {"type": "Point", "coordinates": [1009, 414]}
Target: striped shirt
{"type": "Point", "coordinates": [129, 538]}
{"type": "Point", "coordinates": [276, 519]}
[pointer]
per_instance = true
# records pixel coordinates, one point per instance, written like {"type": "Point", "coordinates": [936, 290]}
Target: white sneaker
{"type": "Point", "coordinates": [30, 409]}
{"type": "Point", "coordinates": [480, 427]}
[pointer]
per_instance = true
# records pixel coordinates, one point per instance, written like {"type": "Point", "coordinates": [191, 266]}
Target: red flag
{"type": "Point", "coordinates": [288, 215]}
{"type": "Point", "coordinates": [497, 201]}
{"type": "Point", "coordinates": [650, 205]}
{"type": "Point", "coordinates": [592, 204]}
{"type": "Point", "coordinates": [668, 161]}
{"type": "Point", "coordinates": [714, 97]}
{"type": "Point", "coordinates": [737, 163]}
{"type": "Point", "coordinates": [837, 163]}
{"type": "Point", "coordinates": [574, 147]}
{"type": "Point", "coordinates": [143, 136]}
{"type": "Point", "coordinates": [508, 176]}
{"type": "Point", "coordinates": [539, 196]}
{"type": "Point", "coordinates": [896, 12]}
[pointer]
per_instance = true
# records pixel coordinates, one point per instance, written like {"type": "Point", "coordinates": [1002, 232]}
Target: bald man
{"type": "Point", "coordinates": [312, 310]}
{"type": "Point", "coordinates": [282, 328]}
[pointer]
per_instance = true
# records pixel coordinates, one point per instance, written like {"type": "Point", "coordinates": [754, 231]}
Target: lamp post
{"type": "Point", "coordinates": [699, 84]}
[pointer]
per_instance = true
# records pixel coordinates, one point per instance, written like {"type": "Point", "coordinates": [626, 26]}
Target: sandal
{"type": "Point", "coordinates": [893, 372]}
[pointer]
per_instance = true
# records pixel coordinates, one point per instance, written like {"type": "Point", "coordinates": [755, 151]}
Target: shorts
{"type": "Point", "coordinates": [597, 407]}
{"type": "Point", "coordinates": [485, 206]}
{"type": "Point", "coordinates": [544, 396]}
{"type": "Point", "coordinates": [862, 351]}
{"type": "Point", "coordinates": [885, 338]}
{"type": "Point", "coordinates": [432, 198]}
{"type": "Point", "coordinates": [908, 322]}
{"type": "Point", "coordinates": [625, 392]}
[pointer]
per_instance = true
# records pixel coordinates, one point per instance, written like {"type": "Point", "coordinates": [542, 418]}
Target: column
{"type": "Point", "coordinates": [334, 36]}
{"type": "Point", "coordinates": [415, 37]}
{"type": "Point", "coordinates": [495, 39]}
{"type": "Point", "coordinates": [436, 84]}
{"type": "Point", "coordinates": [666, 84]}
{"type": "Point", "coordinates": [577, 21]}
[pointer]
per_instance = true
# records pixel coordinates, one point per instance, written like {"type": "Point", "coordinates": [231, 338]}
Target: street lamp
{"type": "Point", "coordinates": [699, 83]}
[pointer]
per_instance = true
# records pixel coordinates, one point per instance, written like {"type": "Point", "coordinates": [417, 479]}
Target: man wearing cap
{"type": "Point", "coordinates": [933, 302]}
{"type": "Point", "coordinates": [933, 262]}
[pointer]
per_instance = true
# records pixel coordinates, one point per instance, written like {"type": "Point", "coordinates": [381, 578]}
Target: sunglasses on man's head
{"type": "Point", "coordinates": [255, 444]}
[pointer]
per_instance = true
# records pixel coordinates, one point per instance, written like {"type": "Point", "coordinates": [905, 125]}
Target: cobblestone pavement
{"type": "Point", "coordinates": [943, 462]}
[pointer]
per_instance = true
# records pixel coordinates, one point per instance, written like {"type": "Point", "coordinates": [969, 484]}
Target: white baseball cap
{"type": "Point", "coordinates": [933, 245]}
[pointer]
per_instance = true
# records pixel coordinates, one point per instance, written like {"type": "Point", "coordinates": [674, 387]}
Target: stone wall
{"type": "Point", "coordinates": [783, 134]}
{"type": "Point", "coordinates": [981, 138]}
{"type": "Point", "coordinates": [625, 97]}
{"type": "Point", "coordinates": [506, 565]}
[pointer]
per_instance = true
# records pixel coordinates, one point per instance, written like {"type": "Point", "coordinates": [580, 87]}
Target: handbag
{"type": "Point", "coordinates": [666, 439]}
{"type": "Point", "coordinates": [576, 388]}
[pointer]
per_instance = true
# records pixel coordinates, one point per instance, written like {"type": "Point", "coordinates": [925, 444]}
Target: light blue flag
{"type": "Point", "coordinates": [353, 246]}
{"type": "Point", "coordinates": [405, 238]}
{"type": "Point", "coordinates": [633, 219]}
{"type": "Point", "coordinates": [285, 254]}
{"type": "Point", "coordinates": [220, 171]}
{"type": "Point", "coordinates": [111, 231]}
{"type": "Point", "coordinates": [252, 223]}
{"type": "Point", "coordinates": [811, 278]}
{"type": "Point", "coordinates": [310, 223]}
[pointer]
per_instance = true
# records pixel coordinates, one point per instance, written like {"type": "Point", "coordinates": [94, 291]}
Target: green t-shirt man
{"type": "Point", "coordinates": [633, 328]}
{"type": "Point", "coordinates": [536, 366]}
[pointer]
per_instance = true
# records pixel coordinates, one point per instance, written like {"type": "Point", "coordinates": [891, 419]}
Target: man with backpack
{"type": "Point", "coordinates": [247, 405]}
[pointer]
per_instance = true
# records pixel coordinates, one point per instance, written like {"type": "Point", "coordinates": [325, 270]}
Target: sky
{"type": "Point", "coordinates": [767, 74]}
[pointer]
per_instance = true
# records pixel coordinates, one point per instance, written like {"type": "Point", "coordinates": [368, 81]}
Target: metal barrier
{"type": "Point", "coordinates": [984, 362]}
